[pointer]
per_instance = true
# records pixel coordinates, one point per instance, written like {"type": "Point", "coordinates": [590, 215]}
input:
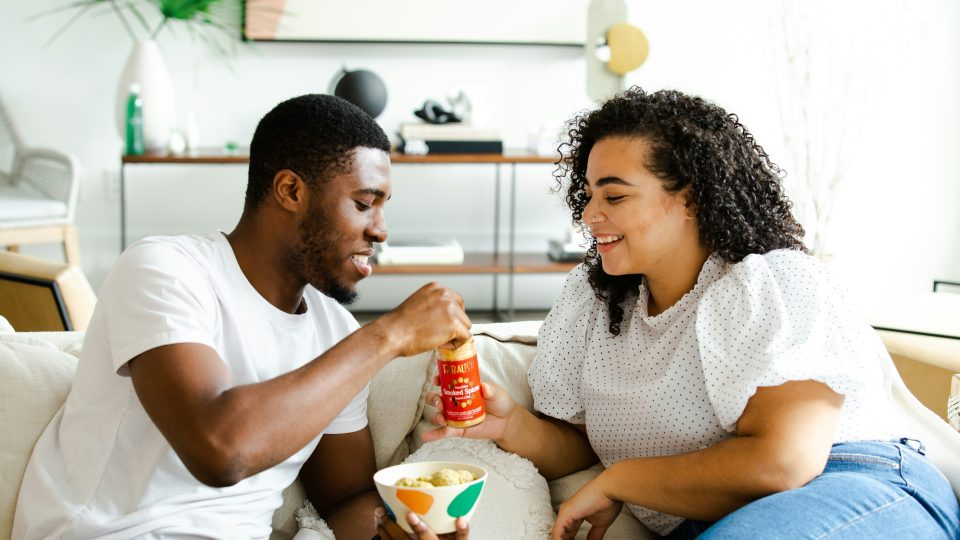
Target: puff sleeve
{"type": "Point", "coordinates": [775, 318]}
{"type": "Point", "coordinates": [556, 371]}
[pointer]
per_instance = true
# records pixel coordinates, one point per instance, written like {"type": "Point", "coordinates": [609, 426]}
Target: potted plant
{"type": "Point", "coordinates": [144, 21]}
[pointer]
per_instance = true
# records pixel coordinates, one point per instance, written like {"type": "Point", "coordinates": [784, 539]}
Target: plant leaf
{"type": "Point", "coordinates": [69, 23]}
{"type": "Point", "coordinates": [136, 13]}
{"type": "Point", "coordinates": [71, 5]}
{"type": "Point", "coordinates": [184, 9]}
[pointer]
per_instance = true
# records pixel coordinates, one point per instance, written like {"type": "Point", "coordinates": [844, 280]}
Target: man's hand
{"type": "Point", "coordinates": [431, 317]}
{"type": "Point", "coordinates": [389, 530]}
{"type": "Point", "coordinates": [499, 406]}
{"type": "Point", "coordinates": [589, 504]}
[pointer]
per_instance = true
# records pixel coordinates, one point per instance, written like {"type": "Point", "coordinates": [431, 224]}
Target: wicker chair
{"type": "Point", "coordinates": [38, 194]}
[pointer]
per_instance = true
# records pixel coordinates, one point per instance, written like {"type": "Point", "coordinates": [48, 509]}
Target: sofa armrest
{"type": "Point", "coordinates": [35, 378]}
{"type": "Point", "coordinates": [953, 405]}
{"type": "Point", "coordinates": [926, 364]}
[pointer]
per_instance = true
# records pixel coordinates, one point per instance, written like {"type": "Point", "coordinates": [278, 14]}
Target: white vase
{"type": "Point", "coordinates": [146, 67]}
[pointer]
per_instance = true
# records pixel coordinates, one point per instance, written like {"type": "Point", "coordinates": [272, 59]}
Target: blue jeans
{"type": "Point", "coordinates": [868, 489]}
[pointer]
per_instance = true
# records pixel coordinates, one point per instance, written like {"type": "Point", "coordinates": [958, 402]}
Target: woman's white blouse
{"type": "Point", "coordinates": [678, 381]}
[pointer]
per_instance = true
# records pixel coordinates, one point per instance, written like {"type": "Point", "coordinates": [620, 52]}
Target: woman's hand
{"type": "Point", "coordinates": [590, 504]}
{"type": "Point", "coordinates": [388, 529]}
{"type": "Point", "coordinates": [499, 407]}
{"type": "Point", "coordinates": [555, 447]}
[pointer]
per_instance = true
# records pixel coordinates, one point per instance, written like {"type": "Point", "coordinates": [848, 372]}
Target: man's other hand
{"type": "Point", "coordinates": [387, 529]}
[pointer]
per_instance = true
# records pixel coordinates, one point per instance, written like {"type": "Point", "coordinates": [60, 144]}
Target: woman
{"type": "Point", "coordinates": [702, 356]}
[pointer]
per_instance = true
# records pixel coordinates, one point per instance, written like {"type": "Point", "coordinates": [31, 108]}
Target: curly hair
{"type": "Point", "coordinates": [733, 185]}
{"type": "Point", "coordinates": [313, 135]}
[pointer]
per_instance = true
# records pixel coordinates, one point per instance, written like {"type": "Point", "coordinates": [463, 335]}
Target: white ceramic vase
{"type": "Point", "coordinates": [147, 67]}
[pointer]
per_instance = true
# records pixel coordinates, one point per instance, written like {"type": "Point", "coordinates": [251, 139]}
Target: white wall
{"type": "Point", "coordinates": [897, 225]}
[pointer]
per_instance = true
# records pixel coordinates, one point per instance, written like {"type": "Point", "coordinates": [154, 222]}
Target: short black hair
{"type": "Point", "coordinates": [735, 188]}
{"type": "Point", "coordinates": [313, 135]}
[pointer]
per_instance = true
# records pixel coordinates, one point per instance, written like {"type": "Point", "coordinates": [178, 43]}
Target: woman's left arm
{"type": "Point", "coordinates": [783, 440]}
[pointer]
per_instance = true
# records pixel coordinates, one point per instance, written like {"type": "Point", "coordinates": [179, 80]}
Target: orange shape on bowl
{"type": "Point", "coordinates": [417, 501]}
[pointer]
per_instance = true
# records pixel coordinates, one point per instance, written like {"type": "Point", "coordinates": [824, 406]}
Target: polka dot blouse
{"type": "Point", "coordinates": [678, 381]}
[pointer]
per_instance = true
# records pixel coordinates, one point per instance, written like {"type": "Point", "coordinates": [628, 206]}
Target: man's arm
{"type": "Point", "coordinates": [225, 433]}
{"type": "Point", "coordinates": [338, 479]}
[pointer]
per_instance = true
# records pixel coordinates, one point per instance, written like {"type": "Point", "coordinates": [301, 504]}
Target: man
{"type": "Point", "coordinates": [216, 369]}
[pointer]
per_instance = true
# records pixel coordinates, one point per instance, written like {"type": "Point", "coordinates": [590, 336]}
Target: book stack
{"type": "Point", "coordinates": [419, 252]}
{"type": "Point", "coordinates": [455, 138]}
{"type": "Point", "coordinates": [573, 248]}
{"type": "Point", "coordinates": [566, 251]}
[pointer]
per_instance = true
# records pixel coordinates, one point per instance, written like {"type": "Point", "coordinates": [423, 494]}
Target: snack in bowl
{"type": "Point", "coordinates": [438, 505]}
{"type": "Point", "coordinates": [443, 477]}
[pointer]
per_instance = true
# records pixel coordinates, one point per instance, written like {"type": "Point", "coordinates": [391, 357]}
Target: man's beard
{"type": "Point", "coordinates": [317, 260]}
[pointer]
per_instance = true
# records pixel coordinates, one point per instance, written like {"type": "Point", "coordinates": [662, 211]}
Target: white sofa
{"type": "Point", "coordinates": [36, 370]}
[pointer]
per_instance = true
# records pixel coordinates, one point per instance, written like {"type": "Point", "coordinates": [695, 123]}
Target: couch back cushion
{"type": "Point", "coordinates": [35, 377]}
{"type": "Point", "coordinates": [395, 404]}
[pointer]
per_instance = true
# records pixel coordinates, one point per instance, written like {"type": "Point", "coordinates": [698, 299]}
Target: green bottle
{"type": "Point", "coordinates": [134, 122]}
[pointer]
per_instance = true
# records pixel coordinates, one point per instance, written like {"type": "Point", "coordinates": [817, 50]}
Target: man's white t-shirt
{"type": "Point", "coordinates": [101, 468]}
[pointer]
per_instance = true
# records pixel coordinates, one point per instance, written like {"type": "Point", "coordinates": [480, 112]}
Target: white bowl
{"type": "Point", "coordinates": [439, 506]}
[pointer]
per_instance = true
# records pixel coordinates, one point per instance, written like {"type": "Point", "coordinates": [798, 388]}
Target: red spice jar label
{"type": "Point", "coordinates": [460, 385]}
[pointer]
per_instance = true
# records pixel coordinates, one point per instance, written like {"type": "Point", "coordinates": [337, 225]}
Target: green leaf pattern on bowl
{"type": "Point", "coordinates": [462, 503]}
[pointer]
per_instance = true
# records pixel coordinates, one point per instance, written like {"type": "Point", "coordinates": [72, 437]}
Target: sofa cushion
{"type": "Point", "coordinates": [35, 378]}
{"type": "Point", "coordinates": [395, 404]}
{"type": "Point", "coordinates": [284, 525]}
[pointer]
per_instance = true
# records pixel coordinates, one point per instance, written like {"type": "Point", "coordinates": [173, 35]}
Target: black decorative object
{"type": "Point", "coordinates": [362, 88]}
{"type": "Point", "coordinates": [434, 113]}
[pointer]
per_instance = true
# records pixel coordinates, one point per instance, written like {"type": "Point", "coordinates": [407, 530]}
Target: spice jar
{"type": "Point", "coordinates": [460, 385]}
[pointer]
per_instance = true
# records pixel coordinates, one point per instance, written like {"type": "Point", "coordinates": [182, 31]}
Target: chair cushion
{"type": "Point", "coordinates": [22, 204]}
{"type": "Point", "coordinates": [35, 377]}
